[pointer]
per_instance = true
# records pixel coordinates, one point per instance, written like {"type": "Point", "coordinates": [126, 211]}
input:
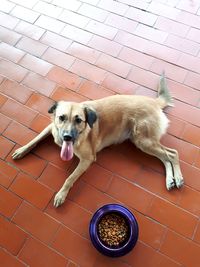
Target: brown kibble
{"type": "Point", "coordinates": [113, 229]}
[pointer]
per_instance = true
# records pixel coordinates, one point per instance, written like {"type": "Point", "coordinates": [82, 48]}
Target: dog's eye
{"type": "Point", "coordinates": [78, 120]}
{"type": "Point", "coordinates": [62, 117]}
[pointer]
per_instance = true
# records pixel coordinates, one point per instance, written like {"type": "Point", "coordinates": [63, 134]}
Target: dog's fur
{"type": "Point", "coordinates": [94, 125]}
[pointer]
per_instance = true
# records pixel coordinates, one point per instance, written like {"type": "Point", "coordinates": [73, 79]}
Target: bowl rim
{"type": "Point", "coordinates": [132, 224]}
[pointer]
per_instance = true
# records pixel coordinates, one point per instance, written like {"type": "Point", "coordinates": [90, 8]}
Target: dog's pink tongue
{"type": "Point", "coordinates": [67, 150]}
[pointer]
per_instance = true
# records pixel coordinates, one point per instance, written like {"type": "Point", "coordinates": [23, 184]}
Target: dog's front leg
{"type": "Point", "coordinates": [22, 151]}
{"type": "Point", "coordinates": [81, 168]}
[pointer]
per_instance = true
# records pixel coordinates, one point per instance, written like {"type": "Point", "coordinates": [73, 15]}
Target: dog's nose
{"type": "Point", "coordinates": [67, 137]}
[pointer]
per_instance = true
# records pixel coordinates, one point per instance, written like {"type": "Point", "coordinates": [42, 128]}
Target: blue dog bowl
{"type": "Point", "coordinates": [127, 245]}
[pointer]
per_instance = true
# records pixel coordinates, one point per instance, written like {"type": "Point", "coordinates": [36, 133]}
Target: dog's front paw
{"type": "Point", "coordinates": [19, 153]}
{"type": "Point", "coordinates": [60, 198]}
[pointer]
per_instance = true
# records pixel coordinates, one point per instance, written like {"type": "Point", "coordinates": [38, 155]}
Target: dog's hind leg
{"type": "Point", "coordinates": [170, 159]}
{"type": "Point", "coordinates": [176, 166]}
{"type": "Point", "coordinates": [22, 151]}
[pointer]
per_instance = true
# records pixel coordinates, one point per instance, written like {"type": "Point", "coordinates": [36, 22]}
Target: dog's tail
{"type": "Point", "coordinates": [164, 98]}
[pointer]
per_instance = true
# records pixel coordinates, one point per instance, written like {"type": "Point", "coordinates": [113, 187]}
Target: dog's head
{"type": "Point", "coordinates": [71, 120]}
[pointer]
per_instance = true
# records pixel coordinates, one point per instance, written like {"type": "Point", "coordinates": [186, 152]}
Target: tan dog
{"type": "Point", "coordinates": [85, 128]}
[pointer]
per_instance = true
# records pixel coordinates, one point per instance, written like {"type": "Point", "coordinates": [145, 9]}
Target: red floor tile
{"type": "Point", "coordinates": [9, 204]}
{"type": "Point", "coordinates": [189, 200]}
{"type": "Point", "coordinates": [5, 121]}
{"type": "Point", "coordinates": [40, 226]}
{"type": "Point", "coordinates": [35, 64]}
{"type": "Point", "coordinates": [76, 34]}
{"type": "Point", "coordinates": [50, 24]}
{"type": "Point", "coordinates": [3, 99]}
{"type": "Point", "coordinates": [170, 26]}
{"type": "Point", "coordinates": [40, 103]}
{"type": "Point", "coordinates": [9, 36]}
{"type": "Point", "coordinates": [68, 243]}
{"type": "Point", "coordinates": [10, 53]}
{"type": "Point", "coordinates": [64, 78]}
{"type": "Point", "coordinates": [25, 14]}
{"type": "Point", "coordinates": [30, 164]}
{"type": "Point", "coordinates": [191, 174]}
{"type": "Point", "coordinates": [17, 91]}
{"type": "Point", "coordinates": [114, 65]}
{"type": "Point", "coordinates": [183, 45]}
{"type": "Point", "coordinates": [93, 91]}
{"type": "Point", "coordinates": [93, 12]}
{"type": "Point", "coordinates": [39, 123]}
{"type": "Point", "coordinates": [141, 16]}
{"type": "Point", "coordinates": [197, 234]}
{"type": "Point", "coordinates": [136, 58]}
{"type": "Point", "coordinates": [98, 177]}
{"type": "Point", "coordinates": [122, 190]}
{"type": "Point", "coordinates": [184, 93]}
{"type": "Point", "coordinates": [88, 71]}
{"type": "Point", "coordinates": [55, 40]}
{"type": "Point", "coordinates": [53, 177]}
{"type": "Point", "coordinates": [17, 111]}
{"type": "Point", "coordinates": [121, 22]}
{"type": "Point", "coordinates": [58, 58]}
{"type": "Point", "coordinates": [9, 261]}
{"type": "Point", "coordinates": [127, 168]}
{"type": "Point", "coordinates": [82, 50]}
{"type": "Point", "coordinates": [70, 214]}
{"type": "Point", "coordinates": [182, 244]}
{"type": "Point", "coordinates": [153, 238]}
{"type": "Point", "coordinates": [17, 236]}
{"type": "Point", "coordinates": [46, 257]}
{"type": "Point", "coordinates": [8, 173]}
{"type": "Point", "coordinates": [31, 46]}
{"type": "Point", "coordinates": [105, 261]}
{"type": "Point", "coordinates": [6, 146]}
{"type": "Point", "coordinates": [31, 190]}
{"type": "Point", "coordinates": [8, 21]}
{"type": "Point", "coordinates": [67, 95]}
{"type": "Point", "coordinates": [150, 257]}
{"type": "Point", "coordinates": [107, 46]}
{"type": "Point", "coordinates": [93, 199]}
{"type": "Point", "coordinates": [39, 84]}
{"type": "Point", "coordinates": [171, 216]}
{"type": "Point", "coordinates": [171, 71]}
{"type": "Point", "coordinates": [119, 85]}
{"type": "Point", "coordinates": [156, 183]}
{"type": "Point", "coordinates": [29, 30]}
{"type": "Point", "coordinates": [191, 134]}
{"type": "Point", "coordinates": [12, 70]}
{"type": "Point", "coordinates": [13, 130]}
{"type": "Point", "coordinates": [176, 126]}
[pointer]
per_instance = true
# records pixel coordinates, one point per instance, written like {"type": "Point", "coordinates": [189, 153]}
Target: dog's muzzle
{"type": "Point", "coordinates": [67, 137]}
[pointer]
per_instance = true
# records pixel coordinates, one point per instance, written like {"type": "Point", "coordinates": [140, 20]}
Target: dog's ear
{"type": "Point", "coordinates": [91, 116]}
{"type": "Point", "coordinates": [53, 108]}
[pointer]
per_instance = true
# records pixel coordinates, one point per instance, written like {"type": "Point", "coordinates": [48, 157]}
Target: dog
{"type": "Point", "coordinates": [86, 128]}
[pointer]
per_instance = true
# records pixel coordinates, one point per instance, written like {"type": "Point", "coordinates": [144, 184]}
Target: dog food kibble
{"type": "Point", "coordinates": [113, 229]}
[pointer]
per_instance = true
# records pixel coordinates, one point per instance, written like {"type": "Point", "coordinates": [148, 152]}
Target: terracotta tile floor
{"type": "Point", "coordinates": [88, 49]}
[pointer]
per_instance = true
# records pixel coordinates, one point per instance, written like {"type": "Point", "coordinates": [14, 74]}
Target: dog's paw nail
{"type": "Point", "coordinates": [15, 155]}
{"type": "Point", "coordinates": [179, 182]}
{"type": "Point", "coordinates": [59, 199]}
{"type": "Point", "coordinates": [19, 153]}
{"type": "Point", "coordinates": [170, 185]}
